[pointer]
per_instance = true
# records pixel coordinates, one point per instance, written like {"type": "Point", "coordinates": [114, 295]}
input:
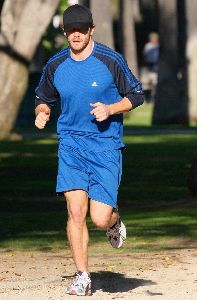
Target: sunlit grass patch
{"type": "Point", "coordinates": [154, 201]}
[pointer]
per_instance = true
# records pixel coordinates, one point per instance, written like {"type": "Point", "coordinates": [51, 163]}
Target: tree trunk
{"type": "Point", "coordinates": [192, 72]}
{"type": "Point", "coordinates": [22, 26]}
{"type": "Point", "coordinates": [171, 106]}
{"type": "Point", "coordinates": [103, 19]}
{"type": "Point", "coordinates": [84, 2]}
{"type": "Point", "coordinates": [191, 7]}
{"type": "Point", "coordinates": [127, 8]}
{"type": "Point", "coordinates": [192, 177]}
{"type": "Point", "coordinates": [13, 86]}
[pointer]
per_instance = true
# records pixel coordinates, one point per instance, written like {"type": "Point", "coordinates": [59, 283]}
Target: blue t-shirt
{"type": "Point", "coordinates": [102, 77]}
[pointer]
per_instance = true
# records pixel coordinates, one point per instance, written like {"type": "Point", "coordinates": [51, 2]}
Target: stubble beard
{"type": "Point", "coordinates": [76, 49]}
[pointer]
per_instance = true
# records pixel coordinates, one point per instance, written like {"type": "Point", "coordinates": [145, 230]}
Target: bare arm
{"type": "Point", "coordinates": [103, 111]}
{"type": "Point", "coordinates": [122, 106]}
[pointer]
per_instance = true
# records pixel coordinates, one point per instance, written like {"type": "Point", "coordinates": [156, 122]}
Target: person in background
{"type": "Point", "coordinates": [95, 87]}
{"type": "Point", "coordinates": [151, 57]}
{"type": "Point", "coordinates": [151, 52]}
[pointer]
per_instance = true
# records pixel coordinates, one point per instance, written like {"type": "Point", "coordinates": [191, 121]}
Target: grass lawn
{"type": "Point", "coordinates": [140, 117]}
{"type": "Point", "coordinates": [154, 201]}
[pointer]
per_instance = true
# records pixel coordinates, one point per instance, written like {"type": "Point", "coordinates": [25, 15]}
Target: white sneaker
{"type": "Point", "coordinates": [117, 233]}
{"type": "Point", "coordinates": [81, 285]}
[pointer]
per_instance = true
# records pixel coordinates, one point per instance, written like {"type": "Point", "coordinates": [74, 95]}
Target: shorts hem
{"type": "Point", "coordinates": [74, 188]}
{"type": "Point", "coordinates": [114, 205]}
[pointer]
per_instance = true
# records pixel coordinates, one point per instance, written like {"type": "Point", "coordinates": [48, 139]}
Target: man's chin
{"type": "Point", "coordinates": [77, 48]}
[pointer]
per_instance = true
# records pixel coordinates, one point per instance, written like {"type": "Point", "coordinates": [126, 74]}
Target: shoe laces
{"type": "Point", "coordinates": [115, 227]}
{"type": "Point", "coordinates": [81, 280]}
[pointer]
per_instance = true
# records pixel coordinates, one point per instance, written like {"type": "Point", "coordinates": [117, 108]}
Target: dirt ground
{"type": "Point", "coordinates": [163, 275]}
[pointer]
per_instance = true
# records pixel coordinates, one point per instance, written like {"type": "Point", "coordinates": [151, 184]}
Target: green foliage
{"type": "Point", "coordinates": [62, 6]}
{"type": "Point", "coordinates": [53, 40]}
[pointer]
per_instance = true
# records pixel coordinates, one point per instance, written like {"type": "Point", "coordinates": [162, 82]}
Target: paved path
{"type": "Point", "coordinates": [166, 275]}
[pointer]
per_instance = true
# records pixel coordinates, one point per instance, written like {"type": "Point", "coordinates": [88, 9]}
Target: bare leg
{"type": "Point", "coordinates": [102, 214]}
{"type": "Point", "coordinates": [104, 217]}
{"type": "Point", "coordinates": [77, 205]}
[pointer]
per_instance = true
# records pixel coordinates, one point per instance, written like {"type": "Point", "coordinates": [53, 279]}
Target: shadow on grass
{"type": "Point", "coordinates": [153, 197]}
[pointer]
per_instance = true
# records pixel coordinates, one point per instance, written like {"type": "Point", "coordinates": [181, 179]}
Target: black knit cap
{"type": "Point", "coordinates": [77, 16]}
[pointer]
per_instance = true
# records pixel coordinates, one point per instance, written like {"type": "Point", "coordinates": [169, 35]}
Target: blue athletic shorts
{"type": "Point", "coordinates": [97, 173]}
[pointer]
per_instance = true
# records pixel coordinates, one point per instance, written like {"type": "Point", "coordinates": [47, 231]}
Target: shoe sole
{"type": "Point", "coordinates": [88, 292]}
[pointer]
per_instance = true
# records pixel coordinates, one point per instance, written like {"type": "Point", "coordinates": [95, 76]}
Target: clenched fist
{"type": "Point", "coordinates": [42, 115]}
{"type": "Point", "coordinates": [101, 111]}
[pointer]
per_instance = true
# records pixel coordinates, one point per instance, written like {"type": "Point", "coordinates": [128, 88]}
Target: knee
{"type": "Point", "coordinates": [101, 222]}
{"type": "Point", "coordinates": [77, 213]}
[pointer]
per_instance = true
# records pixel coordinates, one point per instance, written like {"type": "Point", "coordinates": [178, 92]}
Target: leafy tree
{"type": "Point", "coordinates": [53, 39]}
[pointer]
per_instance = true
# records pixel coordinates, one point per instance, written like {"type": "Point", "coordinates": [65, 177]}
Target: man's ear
{"type": "Point", "coordinates": [92, 30]}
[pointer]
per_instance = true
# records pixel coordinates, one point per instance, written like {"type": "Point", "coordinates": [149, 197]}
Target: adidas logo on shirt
{"type": "Point", "coordinates": [94, 83]}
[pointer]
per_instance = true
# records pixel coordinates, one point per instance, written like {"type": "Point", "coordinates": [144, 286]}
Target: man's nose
{"type": "Point", "coordinates": [76, 33]}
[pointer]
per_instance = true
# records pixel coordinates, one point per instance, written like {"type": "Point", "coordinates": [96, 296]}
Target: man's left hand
{"type": "Point", "coordinates": [101, 111]}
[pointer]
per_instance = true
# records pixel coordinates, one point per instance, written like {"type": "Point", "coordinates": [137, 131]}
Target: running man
{"type": "Point", "coordinates": [95, 87]}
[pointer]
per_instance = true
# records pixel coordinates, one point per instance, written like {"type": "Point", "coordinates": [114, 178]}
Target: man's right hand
{"type": "Point", "coordinates": [42, 115]}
